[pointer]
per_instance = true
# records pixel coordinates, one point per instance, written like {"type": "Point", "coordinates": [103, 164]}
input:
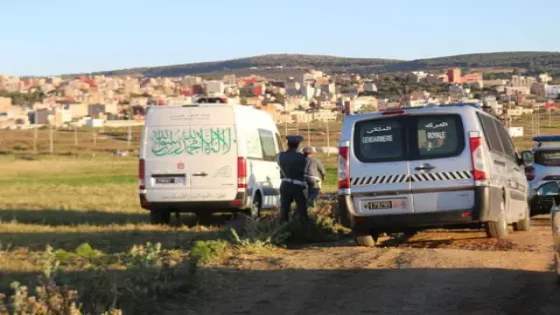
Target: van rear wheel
{"type": "Point", "coordinates": [160, 217]}
{"type": "Point", "coordinates": [525, 223]}
{"type": "Point", "coordinates": [364, 239]}
{"type": "Point", "coordinates": [499, 228]}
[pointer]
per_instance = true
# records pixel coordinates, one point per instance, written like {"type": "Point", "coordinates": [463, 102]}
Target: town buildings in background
{"type": "Point", "coordinates": [311, 96]}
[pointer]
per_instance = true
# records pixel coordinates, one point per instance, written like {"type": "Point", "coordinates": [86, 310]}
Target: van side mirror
{"type": "Point", "coordinates": [550, 189]}
{"type": "Point", "coordinates": [527, 157]}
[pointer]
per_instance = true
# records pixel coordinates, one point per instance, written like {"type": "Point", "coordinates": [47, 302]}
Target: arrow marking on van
{"type": "Point", "coordinates": [168, 142]}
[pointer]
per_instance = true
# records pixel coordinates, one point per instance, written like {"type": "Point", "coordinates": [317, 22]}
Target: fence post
{"type": "Point", "coordinates": [76, 135]}
{"type": "Point", "coordinates": [328, 140]}
{"type": "Point", "coordinates": [35, 140]}
{"type": "Point", "coordinates": [308, 134]}
{"type": "Point", "coordinates": [51, 139]}
{"type": "Point", "coordinates": [129, 138]}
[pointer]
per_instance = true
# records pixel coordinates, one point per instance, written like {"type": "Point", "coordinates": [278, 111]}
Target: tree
{"type": "Point", "coordinates": [243, 100]}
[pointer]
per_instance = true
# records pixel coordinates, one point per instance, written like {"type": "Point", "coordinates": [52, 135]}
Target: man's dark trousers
{"type": "Point", "coordinates": [290, 192]}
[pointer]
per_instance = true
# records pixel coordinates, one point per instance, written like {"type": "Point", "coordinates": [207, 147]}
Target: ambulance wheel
{"type": "Point", "coordinates": [160, 217]}
{"type": "Point", "coordinates": [256, 206]}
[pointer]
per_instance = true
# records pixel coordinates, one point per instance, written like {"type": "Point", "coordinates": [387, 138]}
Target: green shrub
{"type": "Point", "coordinates": [262, 232]}
{"type": "Point", "coordinates": [205, 251]}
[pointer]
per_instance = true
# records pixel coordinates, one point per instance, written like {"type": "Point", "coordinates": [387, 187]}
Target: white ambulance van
{"type": "Point", "coordinates": [208, 157]}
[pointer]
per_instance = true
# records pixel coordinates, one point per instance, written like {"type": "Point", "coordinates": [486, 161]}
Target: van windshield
{"type": "Point", "coordinates": [409, 138]}
{"type": "Point", "coordinates": [547, 157]}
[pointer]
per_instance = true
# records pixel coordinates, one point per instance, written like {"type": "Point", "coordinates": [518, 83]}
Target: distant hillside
{"type": "Point", "coordinates": [287, 61]}
{"type": "Point", "coordinates": [287, 64]}
{"type": "Point", "coordinates": [529, 60]}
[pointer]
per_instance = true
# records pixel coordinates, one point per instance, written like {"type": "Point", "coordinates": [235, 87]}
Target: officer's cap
{"type": "Point", "coordinates": [307, 150]}
{"type": "Point", "coordinates": [294, 139]}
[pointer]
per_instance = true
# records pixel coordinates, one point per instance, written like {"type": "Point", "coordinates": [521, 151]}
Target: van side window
{"type": "Point", "coordinates": [254, 147]}
{"type": "Point", "coordinates": [491, 134]}
{"type": "Point", "coordinates": [439, 136]}
{"type": "Point", "coordinates": [509, 148]}
{"type": "Point", "coordinates": [269, 150]}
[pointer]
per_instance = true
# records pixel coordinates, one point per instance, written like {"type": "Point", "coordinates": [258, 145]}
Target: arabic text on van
{"type": "Point", "coordinates": [165, 142]}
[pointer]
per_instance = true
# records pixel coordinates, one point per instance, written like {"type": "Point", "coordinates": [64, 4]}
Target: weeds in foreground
{"type": "Point", "coordinates": [140, 280]}
{"type": "Point", "coordinates": [151, 275]}
{"type": "Point", "coordinates": [204, 252]}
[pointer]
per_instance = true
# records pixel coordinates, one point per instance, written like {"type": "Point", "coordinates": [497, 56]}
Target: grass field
{"type": "Point", "coordinates": [67, 201]}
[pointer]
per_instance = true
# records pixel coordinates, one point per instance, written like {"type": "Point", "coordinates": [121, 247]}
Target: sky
{"type": "Point", "coordinates": [41, 37]}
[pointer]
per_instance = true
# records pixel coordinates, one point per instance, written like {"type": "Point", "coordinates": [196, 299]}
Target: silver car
{"type": "Point", "coordinates": [550, 192]}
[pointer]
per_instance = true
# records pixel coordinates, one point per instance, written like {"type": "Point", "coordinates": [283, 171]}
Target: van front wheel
{"type": "Point", "coordinates": [160, 217]}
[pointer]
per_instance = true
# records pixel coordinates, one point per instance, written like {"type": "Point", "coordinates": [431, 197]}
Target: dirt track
{"type": "Point", "coordinates": [435, 272]}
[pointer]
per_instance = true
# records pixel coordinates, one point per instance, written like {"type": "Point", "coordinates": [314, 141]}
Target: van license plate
{"type": "Point", "coordinates": [167, 180]}
{"type": "Point", "coordinates": [375, 205]}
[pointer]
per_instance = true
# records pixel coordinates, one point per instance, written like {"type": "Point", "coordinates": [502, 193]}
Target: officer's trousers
{"type": "Point", "coordinates": [290, 192]}
{"type": "Point", "coordinates": [313, 195]}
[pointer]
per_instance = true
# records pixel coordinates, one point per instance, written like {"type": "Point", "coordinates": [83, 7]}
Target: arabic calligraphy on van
{"type": "Point", "coordinates": [440, 125]}
{"type": "Point", "coordinates": [168, 142]}
{"type": "Point", "coordinates": [378, 129]}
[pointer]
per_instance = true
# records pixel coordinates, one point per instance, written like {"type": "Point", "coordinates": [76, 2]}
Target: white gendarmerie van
{"type": "Point", "coordinates": [208, 157]}
{"type": "Point", "coordinates": [409, 169]}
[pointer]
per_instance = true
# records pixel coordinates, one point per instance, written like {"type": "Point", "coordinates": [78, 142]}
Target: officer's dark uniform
{"type": "Point", "coordinates": [293, 187]}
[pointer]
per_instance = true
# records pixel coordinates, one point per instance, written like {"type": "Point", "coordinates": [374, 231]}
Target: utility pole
{"type": "Point", "coordinates": [328, 140]}
{"type": "Point", "coordinates": [35, 140]}
{"type": "Point", "coordinates": [308, 134]}
{"type": "Point", "coordinates": [129, 138]}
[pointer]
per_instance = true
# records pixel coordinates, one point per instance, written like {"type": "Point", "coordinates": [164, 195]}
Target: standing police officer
{"type": "Point", "coordinates": [315, 175]}
{"type": "Point", "coordinates": [293, 187]}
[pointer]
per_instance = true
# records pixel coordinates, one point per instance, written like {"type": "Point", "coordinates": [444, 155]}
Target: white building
{"type": "Point", "coordinates": [521, 81]}
{"type": "Point", "coordinates": [552, 91]}
{"type": "Point", "coordinates": [544, 78]}
{"type": "Point", "coordinates": [370, 87]}
{"type": "Point", "coordinates": [308, 92]}
{"type": "Point", "coordinates": [492, 102]}
{"type": "Point", "coordinates": [214, 87]}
